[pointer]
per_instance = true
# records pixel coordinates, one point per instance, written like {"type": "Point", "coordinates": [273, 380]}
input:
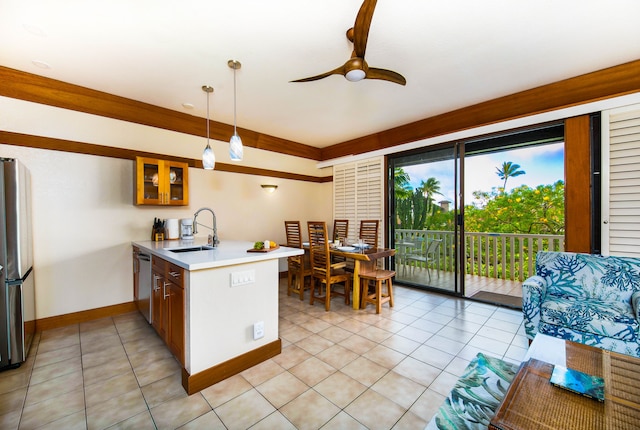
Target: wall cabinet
{"type": "Point", "coordinates": [168, 305]}
{"type": "Point", "coordinates": [161, 182]}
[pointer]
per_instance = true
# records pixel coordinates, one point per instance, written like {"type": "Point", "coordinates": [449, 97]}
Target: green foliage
{"type": "Point", "coordinates": [411, 211]}
{"type": "Point", "coordinates": [415, 209]}
{"type": "Point", "coordinates": [524, 209]}
{"type": "Point", "coordinates": [402, 187]}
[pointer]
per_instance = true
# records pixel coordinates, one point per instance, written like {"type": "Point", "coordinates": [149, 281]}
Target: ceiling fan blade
{"type": "Point", "coordinates": [385, 75]}
{"type": "Point", "coordinates": [361, 27]}
{"type": "Point", "coordinates": [337, 71]}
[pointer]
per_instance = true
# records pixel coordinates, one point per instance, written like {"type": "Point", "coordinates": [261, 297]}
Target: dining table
{"type": "Point", "coordinates": [364, 260]}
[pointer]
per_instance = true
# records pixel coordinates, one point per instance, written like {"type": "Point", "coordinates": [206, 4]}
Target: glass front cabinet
{"type": "Point", "coordinates": [161, 182]}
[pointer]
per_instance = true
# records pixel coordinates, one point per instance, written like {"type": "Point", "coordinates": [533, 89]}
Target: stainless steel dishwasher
{"type": "Point", "coordinates": [144, 286]}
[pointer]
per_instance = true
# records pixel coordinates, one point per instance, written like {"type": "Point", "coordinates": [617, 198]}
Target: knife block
{"type": "Point", "coordinates": [157, 234]}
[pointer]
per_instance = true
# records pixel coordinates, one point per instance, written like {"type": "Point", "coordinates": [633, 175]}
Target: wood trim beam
{"type": "Point", "coordinates": [27, 140]}
{"type": "Point", "coordinates": [607, 83]}
{"type": "Point", "coordinates": [201, 380]}
{"type": "Point", "coordinates": [84, 316]}
{"type": "Point", "coordinates": [39, 89]}
{"type": "Point", "coordinates": [577, 170]}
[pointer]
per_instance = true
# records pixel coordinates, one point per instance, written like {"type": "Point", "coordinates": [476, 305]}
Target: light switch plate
{"type": "Point", "coordinates": [243, 278]}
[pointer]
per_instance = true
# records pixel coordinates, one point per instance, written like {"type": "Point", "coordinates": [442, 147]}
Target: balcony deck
{"type": "Point", "coordinates": [445, 280]}
{"type": "Point", "coordinates": [495, 262]}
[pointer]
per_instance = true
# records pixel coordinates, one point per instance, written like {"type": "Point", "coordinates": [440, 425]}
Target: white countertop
{"type": "Point", "coordinates": [227, 253]}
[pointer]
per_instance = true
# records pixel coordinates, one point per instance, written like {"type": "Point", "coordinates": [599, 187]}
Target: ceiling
{"type": "Point", "coordinates": [452, 53]}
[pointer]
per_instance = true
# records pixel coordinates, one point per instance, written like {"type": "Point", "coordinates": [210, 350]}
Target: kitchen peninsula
{"type": "Point", "coordinates": [217, 309]}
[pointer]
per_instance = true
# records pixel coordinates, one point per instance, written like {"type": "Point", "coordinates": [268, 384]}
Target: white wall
{"type": "Point", "coordinates": [85, 219]}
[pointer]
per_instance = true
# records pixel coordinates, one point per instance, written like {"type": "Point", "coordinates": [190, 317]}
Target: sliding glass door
{"type": "Point", "coordinates": [469, 217]}
{"type": "Point", "coordinates": [424, 219]}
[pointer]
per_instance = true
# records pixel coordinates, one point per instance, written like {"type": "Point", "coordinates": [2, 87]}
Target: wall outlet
{"type": "Point", "coordinates": [258, 330]}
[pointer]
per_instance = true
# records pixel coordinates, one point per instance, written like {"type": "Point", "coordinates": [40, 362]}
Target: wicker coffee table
{"type": "Point", "coordinates": [533, 403]}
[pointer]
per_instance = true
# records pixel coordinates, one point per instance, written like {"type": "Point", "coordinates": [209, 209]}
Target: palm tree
{"type": "Point", "coordinates": [403, 203]}
{"type": "Point", "coordinates": [509, 170]}
{"type": "Point", "coordinates": [430, 188]}
{"type": "Point", "coordinates": [401, 181]}
{"type": "Point", "coordinates": [424, 194]}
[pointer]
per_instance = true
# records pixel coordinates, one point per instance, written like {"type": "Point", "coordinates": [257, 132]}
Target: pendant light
{"type": "Point", "coordinates": [235, 144]}
{"type": "Point", "coordinates": [208, 157]}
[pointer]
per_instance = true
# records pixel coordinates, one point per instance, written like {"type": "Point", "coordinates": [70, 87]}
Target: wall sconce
{"type": "Point", "coordinates": [269, 187]}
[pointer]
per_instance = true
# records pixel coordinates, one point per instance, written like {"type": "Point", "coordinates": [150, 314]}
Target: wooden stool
{"type": "Point", "coordinates": [377, 298]}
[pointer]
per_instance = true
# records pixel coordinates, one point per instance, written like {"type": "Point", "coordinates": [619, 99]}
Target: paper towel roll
{"type": "Point", "coordinates": [173, 228]}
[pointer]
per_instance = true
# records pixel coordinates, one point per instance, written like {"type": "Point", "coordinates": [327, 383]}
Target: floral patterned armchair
{"type": "Point", "coordinates": [585, 298]}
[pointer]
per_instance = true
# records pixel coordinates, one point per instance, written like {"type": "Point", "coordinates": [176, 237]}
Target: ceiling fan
{"type": "Point", "coordinates": [356, 68]}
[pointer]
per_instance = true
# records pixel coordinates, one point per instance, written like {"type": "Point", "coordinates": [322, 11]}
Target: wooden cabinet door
{"type": "Point", "coordinates": [161, 182]}
{"type": "Point", "coordinates": [176, 321]}
{"type": "Point", "coordinates": [158, 305]}
{"type": "Point", "coordinates": [177, 185]}
{"type": "Point", "coordinates": [149, 189]}
{"type": "Point", "coordinates": [168, 304]}
{"type": "Point", "coordinates": [175, 308]}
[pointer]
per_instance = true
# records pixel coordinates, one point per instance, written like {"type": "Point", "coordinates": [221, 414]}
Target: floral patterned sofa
{"type": "Point", "coordinates": [585, 298]}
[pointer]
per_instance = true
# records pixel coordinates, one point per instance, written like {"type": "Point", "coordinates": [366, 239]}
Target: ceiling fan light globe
{"type": "Point", "coordinates": [355, 75]}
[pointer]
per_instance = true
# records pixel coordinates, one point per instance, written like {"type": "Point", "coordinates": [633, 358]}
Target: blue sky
{"type": "Point", "coordinates": [543, 164]}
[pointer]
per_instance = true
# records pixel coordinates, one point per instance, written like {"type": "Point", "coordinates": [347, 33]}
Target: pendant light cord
{"type": "Point", "coordinates": [208, 93]}
{"type": "Point", "coordinates": [235, 104]}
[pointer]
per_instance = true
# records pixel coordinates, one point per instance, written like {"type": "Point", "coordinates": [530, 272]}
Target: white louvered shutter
{"type": "Point", "coordinates": [344, 194]}
{"type": "Point", "coordinates": [621, 182]}
{"type": "Point", "coordinates": [358, 193]}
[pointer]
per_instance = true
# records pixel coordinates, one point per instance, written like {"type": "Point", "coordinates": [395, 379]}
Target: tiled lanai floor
{"type": "Point", "coordinates": [341, 369]}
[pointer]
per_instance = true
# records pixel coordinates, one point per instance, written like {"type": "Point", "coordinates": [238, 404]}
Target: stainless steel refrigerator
{"type": "Point", "coordinates": [17, 295]}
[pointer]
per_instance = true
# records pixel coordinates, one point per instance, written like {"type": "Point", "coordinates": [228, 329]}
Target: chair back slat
{"type": "Point", "coordinates": [433, 247]}
{"type": "Point", "coordinates": [340, 229]}
{"type": "Point", "coordinates": [319, 246]}
{"type": "Point", "coordinates": [294, 235]}
{"type": "Point", "coordinates": [369, 232]}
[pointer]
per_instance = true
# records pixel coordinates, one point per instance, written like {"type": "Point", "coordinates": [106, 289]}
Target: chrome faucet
{"type": "Point", "coordinates": [211, 240]}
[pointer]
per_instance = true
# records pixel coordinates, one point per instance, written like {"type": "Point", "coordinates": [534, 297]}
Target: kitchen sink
{"type": "Point", "coordinates": [191, 249]}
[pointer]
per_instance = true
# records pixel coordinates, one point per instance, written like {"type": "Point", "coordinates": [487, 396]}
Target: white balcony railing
{"type": "Point", "coordinates": [494, 255]}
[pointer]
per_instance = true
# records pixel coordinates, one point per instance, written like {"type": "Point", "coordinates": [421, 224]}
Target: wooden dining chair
{"type": "Point", "coordinates": [324, 274]}
{"type": "Point", "coordinates": [340, 232]}
{"type": "Point", "coordinates": [298, 268]}
{"type": "Point", "coordinates": [340, 229]}
{"type": "Point", "coordinates": [369, 232]}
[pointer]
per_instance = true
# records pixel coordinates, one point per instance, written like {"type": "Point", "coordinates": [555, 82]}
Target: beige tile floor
{"type": "Point", "coordinates": [342, 369]}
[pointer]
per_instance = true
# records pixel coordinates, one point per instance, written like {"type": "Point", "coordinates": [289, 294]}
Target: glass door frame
{"type": "Point", "coordinates": [539, 134]}
{"type": "Point", "coordinates": [456, 150]}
